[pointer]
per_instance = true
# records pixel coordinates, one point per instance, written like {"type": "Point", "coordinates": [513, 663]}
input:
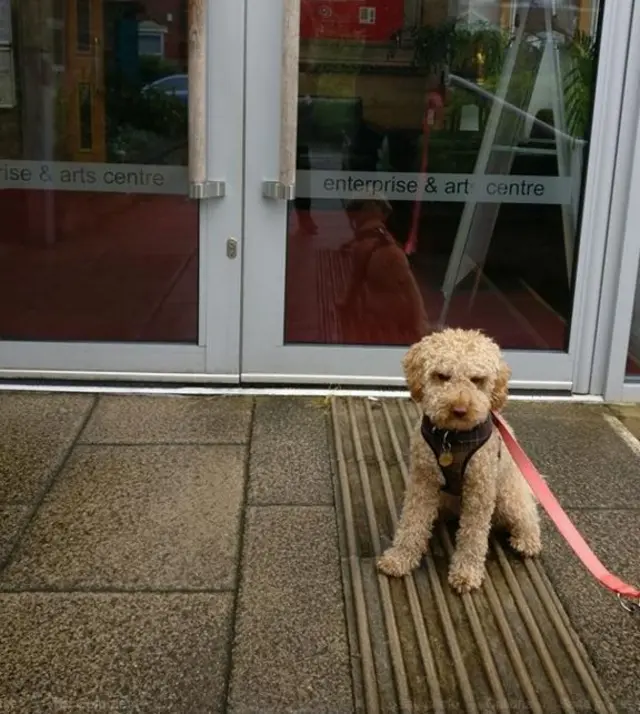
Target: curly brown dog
{"type": "Point", "coordinates": [457, 377]}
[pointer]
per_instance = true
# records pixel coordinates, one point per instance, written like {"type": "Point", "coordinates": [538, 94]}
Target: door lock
{"type": "Point", "coordinates": [232, 248]}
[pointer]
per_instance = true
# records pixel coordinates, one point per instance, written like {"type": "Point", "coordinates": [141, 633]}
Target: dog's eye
{"type": "Point", "coordinates": [441, 377]}
{"type": "Point", "coordinates": [479, 381]}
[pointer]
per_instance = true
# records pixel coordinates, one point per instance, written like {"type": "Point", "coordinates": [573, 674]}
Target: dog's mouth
{"type": "Point", "coordinates": [459, 422]}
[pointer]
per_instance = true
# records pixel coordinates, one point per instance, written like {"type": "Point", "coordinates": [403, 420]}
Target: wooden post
{"type": "Point", "coordinates": [197, 93]}
{"type": "Point", "coordinates": [289, 91]}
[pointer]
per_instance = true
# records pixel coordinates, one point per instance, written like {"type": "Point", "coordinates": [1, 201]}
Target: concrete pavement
{"type": "Point", "coordinates": [183, 555]}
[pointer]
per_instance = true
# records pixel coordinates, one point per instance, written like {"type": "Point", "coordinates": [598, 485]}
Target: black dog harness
{"type": "Point", "coordinates": [454, 449]}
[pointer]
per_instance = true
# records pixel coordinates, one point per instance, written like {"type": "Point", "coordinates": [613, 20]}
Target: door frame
{"type": "Point", "coordinates": [216, 356]}
{"type": "Point", "coordinates": [265, 357]}
{"type": "Point", "coordinates": [620, 274]}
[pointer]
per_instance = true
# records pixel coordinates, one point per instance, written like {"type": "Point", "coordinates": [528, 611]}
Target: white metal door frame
{"type": "Point", "coordinates": [622, 258]}
{"type": "Point", "coordinates": [265, 357]}
{"type": "Point", "coordinates": [604, 212]}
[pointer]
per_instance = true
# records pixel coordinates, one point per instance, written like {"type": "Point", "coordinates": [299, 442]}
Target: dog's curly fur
{"type": "Point", "coordinates": [461, 370]}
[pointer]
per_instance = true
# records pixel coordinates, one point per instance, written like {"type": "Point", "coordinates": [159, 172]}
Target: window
{"type": "Point", "coordinates": [83, 21]}
{"type": "Point", "coordinates": [151, 44]}
{"type": "Point", "coordinates": [85, 113]}
{"type": "Point", "coordinates": [57, 46]}
{"type": "Point", "coordinates": [367, 16]}
{"type": "Point", "coordinates": [151, 38]}
{"type": "Point", "coordinates": [57, 27]}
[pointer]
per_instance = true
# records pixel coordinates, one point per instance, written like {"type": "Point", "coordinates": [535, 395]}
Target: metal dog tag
{"type": "Point", "coordinates": [445, 459]}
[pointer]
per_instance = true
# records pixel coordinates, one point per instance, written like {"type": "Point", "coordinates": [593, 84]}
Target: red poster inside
{"type": "Point", "coordinates": [374, 20]}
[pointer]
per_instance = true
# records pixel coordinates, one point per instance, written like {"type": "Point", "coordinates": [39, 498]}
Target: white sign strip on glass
{"type": "Point", "coordinates": [158, 179]}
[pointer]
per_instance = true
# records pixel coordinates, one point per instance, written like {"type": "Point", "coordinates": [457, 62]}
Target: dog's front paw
{"type": "Point", "coordinates": [528, 544]}
{"type": "Point", "coordinates": [464, 578]}
{"type": "Point", "coordinates": [397, 563]}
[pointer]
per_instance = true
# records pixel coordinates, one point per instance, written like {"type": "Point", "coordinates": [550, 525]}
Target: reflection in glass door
{"type": "Point", "coordinates": [422, 200]}
{"type": "Point", "coordinates": [99, 241]}
{"type": "Point", "coordinates": [441, 151]}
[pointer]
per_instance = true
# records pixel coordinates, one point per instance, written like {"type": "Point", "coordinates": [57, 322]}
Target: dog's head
{"type": "Point", "coordinates": [457, 377]}
{"type": "Point", "coordinates": [375, 210]}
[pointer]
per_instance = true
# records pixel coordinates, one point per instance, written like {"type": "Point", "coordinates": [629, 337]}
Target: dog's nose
{"type": "Point", "coordinates": [459, 411]}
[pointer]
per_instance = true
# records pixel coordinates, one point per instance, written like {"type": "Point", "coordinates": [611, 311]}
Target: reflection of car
{"type": "Point", "coordinates": [176, 85]}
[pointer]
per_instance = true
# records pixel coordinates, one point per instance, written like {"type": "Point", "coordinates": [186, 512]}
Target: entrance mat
{"type": "Point", "coordinates": [416, 646]}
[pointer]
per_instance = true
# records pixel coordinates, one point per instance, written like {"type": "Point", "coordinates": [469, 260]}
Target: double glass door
{"type": "Point", "coordinates": [451, 161]}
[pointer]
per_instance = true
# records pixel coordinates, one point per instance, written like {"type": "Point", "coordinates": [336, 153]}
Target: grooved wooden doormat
{"type": "Point", "coordinates": [415, 645]}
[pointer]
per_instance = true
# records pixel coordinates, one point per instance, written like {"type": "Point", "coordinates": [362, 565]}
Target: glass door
{"type": "Point", "coordinates": [454, 164]}
{"type": "Point", "coordinates": [120, 188]}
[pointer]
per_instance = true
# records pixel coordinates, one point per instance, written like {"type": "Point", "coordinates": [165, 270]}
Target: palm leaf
{"type": "Point", "coordinates": [579, 83]}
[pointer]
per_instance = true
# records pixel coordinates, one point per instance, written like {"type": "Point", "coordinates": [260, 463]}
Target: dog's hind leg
{"type": "Point", "coordinates": [516, 512]}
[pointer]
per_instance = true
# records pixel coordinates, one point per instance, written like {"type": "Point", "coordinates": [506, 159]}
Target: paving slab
{"type": "Point", "coordinates": [290, 459]}
{"type": "Point", "coordinates": [136, 517]}
{"type": "Point", "coordinates": [290, 652]}
{"type": "Point", "coordinates": [36, 433]}
{"type": "Point", "coordinates": [557, 410]}
{"type": "Point", "coordinates": [611, 635]}
{"type": "Point", "coordinates": [586, 463]}
{"type": "Point", "coordinates": [131, 654]}
{"type": "Point", "coordinates": [169, 420]}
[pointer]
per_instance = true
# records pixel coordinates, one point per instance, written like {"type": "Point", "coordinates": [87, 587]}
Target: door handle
{"type": "Point", "coordinates": [200, 186]}
{"type": "Point", "coordinates": [285, 186]}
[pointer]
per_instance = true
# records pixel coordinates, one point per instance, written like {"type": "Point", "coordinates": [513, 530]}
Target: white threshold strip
{"type": "Point", "coordinates": [189, 391]}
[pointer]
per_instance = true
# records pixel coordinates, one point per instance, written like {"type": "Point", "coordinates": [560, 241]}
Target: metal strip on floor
{"type": "Point", "coordinates": [418, 647]}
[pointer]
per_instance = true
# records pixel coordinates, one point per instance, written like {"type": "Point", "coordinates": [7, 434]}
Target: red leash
{"type": "Point", "coordinates": [562, 522]}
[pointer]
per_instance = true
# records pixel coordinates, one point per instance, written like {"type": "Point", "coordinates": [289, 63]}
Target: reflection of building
{"type": "Point", "coordinates": [390, 75]}
{"type": "Point", "coordinates": [59, 55]}
{"type": "Point", "coordinates": [162, 29]}
{"type": "Point", "coordinates": [70, 56]}
{"type": "Point", "coordinates": [63, 51]}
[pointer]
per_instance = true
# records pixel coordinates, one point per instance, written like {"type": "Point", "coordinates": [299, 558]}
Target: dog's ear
{"type": "Point", "coordinates": [501, 387]}
{"type": "Point", "coordinates": [413, 365]}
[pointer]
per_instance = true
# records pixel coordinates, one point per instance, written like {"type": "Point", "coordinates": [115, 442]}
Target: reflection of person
{"type": "Point", "coordinates": [434, 116]}
{"type": "Point", "coordinates": [303, 204]}
{"type": "Point", "coordinates": [381, 284]}
{"type": "Point", "coordinates": [303, 163]}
